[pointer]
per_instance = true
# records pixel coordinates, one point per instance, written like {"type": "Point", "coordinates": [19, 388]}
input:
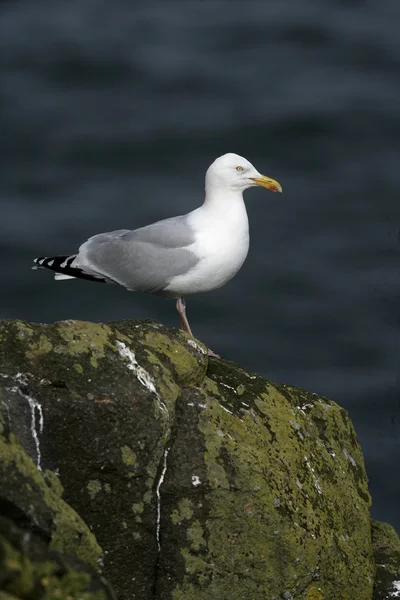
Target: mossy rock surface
{"type": "Point", "coordinates": [47, 552]}
{"type": "Point", "coordinates": [30, 570]}
{"type": "Point", "coordinates": [199, 479]}
{"type": "Point", "coordinates": [386, 545]}
{"type": "Point", "coordinates": [26, 497]}
{"type": "Point", "coordinates": [95, 404]}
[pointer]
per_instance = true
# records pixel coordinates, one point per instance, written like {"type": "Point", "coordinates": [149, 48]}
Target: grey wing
{"type": "Point", "coordinates": [144, 259]}
{"type": "Point", "coordinates": [169, 233]}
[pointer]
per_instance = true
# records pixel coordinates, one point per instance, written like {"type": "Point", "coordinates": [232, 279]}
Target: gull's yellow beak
{"type": "Point", "coordinates": [268, 183]}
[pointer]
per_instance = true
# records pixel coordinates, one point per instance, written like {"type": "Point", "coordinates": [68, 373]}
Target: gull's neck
{"type": "Point", "coordinates": [222, 218]}
{"type": "Point", "coordinates": [223, 200]}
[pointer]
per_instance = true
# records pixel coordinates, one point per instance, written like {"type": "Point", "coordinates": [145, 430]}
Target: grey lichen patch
{"type": "Point", "coordinates": [184, 511]}
{"type": "Point", "coordinates": [94, 488]}
{"type": "Point", "coordinates": [129, 457]}
{"type": "Point", "coordinates": [138, 508]}
{"type": "Point", "coordinates": [148, 496]}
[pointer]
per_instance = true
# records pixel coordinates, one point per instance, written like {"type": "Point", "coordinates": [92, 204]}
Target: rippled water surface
{"type": "Point", "coordinates": [112, 111]}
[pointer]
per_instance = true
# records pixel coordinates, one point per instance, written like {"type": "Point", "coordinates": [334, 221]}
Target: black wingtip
{"type": "Point", "coordinates": [62, 265]}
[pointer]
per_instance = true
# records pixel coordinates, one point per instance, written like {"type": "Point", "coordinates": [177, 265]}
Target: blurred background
{"type": "Point", "coordinates": [112, 111]}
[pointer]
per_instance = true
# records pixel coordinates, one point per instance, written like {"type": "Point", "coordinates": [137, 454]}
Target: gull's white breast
{"type": "Point", "coordinates": [222, 244]}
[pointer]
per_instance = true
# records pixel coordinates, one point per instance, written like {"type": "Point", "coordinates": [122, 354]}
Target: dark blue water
{"type": "Point", "coordinates": [112, 111]}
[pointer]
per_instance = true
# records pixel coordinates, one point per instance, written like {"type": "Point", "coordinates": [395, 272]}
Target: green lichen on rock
{"type": "Point", "coordinates": [84, 338]}
{"type": "Point", "coordinates": [105, 395]}
{"type": "Point", "coordinates": [54, 482]}
{"type": "Point", "coordinates": [23, 330]}
{"type": "Point", "coordinates": [286, 496]}
{"type": "Point", "coordinates": [195, 535]}
{"type": "Point", "coordinates": [211, 481]}
{"type": "Point", "coordinates": [129, 457]}
{"type": "Point", "coordinates": [314, 593]}
{"type": "Point", "coordinates": [184, 363]}
{"type": "Point", "coordinates": [42, 346]}
{"type": "Point", "coordinates": [386, 545]}
{"type": "Point", "coordinates": [29, 571]}
{"type": "Point", "coordinates": [69, 534]}
{"type": "Point", "coordinates": [183, 511]}
{"type": "Point", "coordinates": [94, 487]}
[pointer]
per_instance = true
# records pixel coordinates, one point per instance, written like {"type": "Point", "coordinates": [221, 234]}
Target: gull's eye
{"type": "Point", "coordinates": [239, 169]}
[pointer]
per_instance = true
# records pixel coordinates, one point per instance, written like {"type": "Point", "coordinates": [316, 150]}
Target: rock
{"type": "Point", "coordinates": [46, 550]}
{"type": "Point", "coordinates": [27, 498]}
{"type": "Point", "coordinates": [198, 478]}
{"type": "Point", "coordinates": [30, 570]}
{"type": "Point", "coordinates": [386, 545]}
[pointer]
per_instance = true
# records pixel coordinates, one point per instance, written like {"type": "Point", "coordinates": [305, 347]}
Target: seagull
{"type": "Point", "coordinates": [188, 254]}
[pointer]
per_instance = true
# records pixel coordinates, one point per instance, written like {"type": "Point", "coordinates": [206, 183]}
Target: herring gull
{"type": "Point", "coordinates": [179, 256]}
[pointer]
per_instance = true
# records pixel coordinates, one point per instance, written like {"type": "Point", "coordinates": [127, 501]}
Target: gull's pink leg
{"type": "Point", "coordinates": [181, 308]}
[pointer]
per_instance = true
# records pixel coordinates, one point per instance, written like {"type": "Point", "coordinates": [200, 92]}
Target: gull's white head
{"type": "Point", "coordinates": [233, 172]}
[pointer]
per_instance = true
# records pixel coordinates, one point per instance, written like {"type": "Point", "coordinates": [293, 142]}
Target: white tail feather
{"type": "Point", "coordinates": [61, 276]}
